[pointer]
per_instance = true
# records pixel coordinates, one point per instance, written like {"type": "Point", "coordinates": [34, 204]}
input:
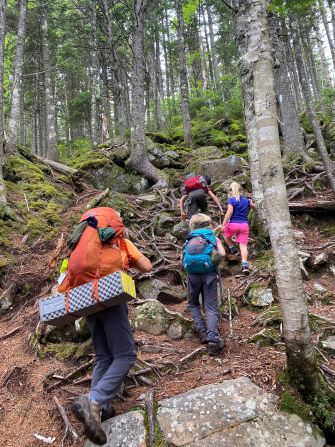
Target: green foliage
{"type": "Point", "coordinates": [292, 403]}
{"type": "Point", "coordinates": [73, 150]}
{"type": "Point", "coordinates": [189, 10]}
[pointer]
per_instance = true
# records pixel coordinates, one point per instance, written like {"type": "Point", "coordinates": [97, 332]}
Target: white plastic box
{"type": "Point", "coordinates": [111, 290]}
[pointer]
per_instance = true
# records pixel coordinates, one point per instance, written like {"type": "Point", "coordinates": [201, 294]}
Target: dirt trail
{"type": "Point", "coordinates": [27, 409]}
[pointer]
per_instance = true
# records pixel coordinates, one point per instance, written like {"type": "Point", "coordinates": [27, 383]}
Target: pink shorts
{"type": "Point", "coordinates": [240, 229]}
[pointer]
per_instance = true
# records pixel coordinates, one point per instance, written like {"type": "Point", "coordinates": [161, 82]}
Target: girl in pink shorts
{"type": "Point", "coordinates": [236, 223]}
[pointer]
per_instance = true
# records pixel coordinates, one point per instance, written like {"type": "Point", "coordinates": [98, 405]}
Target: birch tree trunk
{"type": "Point", "coordinates": [14, 117]}
{"type": "Point", "coordinates": [289, 119]}
{"type": "Point", "coordinates": [3, 195]}
{"type": "Point", "coordinates": [139, 160]}
{"type": "Point", "coordinates": [245, 68]}
{"type": "Point", "coordinates": [184, 92]}
{"type": "Point", "coordinates": [258, 61]}
{"type": "Point", "coordinates": [306, 89]}
{"type": "Point", "coordinates": [213, 51]}
{"type": "Point", "coordinates": [51, 140]}
{"type": "Point", "coordinates": [330, 38]}
{"type": "Point", "coordinates": [94, 76]}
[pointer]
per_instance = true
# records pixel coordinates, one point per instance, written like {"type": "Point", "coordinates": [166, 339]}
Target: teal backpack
{"type": "Point", "coordinates": [197, 251]}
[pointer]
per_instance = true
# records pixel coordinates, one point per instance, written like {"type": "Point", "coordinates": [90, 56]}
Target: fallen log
{"type": "Point", "coordinates": [322, 206]}
{"type": "Point", "coordinates": [94, 202]}
{"type": "Point", "coordinates": [59, 167]}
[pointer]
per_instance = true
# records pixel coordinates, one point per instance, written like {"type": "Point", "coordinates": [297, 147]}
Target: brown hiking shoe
{"type": "Point", "coordinates": [108, 413]}
{"type": "Point", "coordinates": [88, 412]}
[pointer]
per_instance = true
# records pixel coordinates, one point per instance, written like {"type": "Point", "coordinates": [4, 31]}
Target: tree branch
{"type": "Point", "coordinates": [228, 5]}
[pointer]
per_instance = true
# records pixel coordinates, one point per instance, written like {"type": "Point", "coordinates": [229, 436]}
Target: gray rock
{"type": "Point", "coordinates": [329, 344]}
{"type": "Point", "coordinates": [207, 152]}
{"type": "Point", "coordinates": [148, 199]}
{"type": "Point", "coordinates": [126, 430]}
{"type": "Point", "coordinates": [180, 230]}
{"type": "Point", "coordinates": [234, 413]}
{"type": "Point", "coordinates": [260, 296]}
{"type": "Point", "coordinates": [303, 255]}
{"type": "Point", "coordinates": [319, 288]}
{"type": "Point", "coordinates": [172, 154]}
{"type": "Point", "coordinates": [299, 235]}
{"type": "Point", "coordinates": [154, 318]}
{"type": "Point", "coordinates": [163, 223]}
{"type": "Point", "coordinates": [154, 289]}
{"type": "Point", "coordinates": [6, 300]}
{"type": "Point", "coordinates": [222, 169]}
{"type": "Point", "coordinates": [284, 430]}
{"type": "Point", "coordinates": [199, 413]}
{"type": "Point", "coordinates": [321, 259]}
{"type": "Point", "coordinates": [242, 179]}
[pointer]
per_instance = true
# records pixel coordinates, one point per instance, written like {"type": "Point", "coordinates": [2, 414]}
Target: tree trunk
{"type": "Point", "coordinates": [184, 93]}
{"type": "Point", "coordinates": [214, 59]}
{"type": "Point", "coordinates": [120, 92]}
{"type": "Point", "coordinates": [310, 107]}
{"type": "Point", "coordinates": [195, 52]}
{"type": "Point", "coordinates": [167, 70]}
{"type": "Point", "coordinates": [14, 118]}
{"type": "Point", "coordinates": [159, 87]}
{"type": "Point", "coordinates": [139, 160]}
{"type": "Point", "coordinates": [170, 72]}
{"type": "Point", "coordinates": [310, 66]}
{"type": "Point", "coordinates": [94, 76]}
{"type": "Point", "coordinates": [107, 131]}
{"type": "Point", "coordinates": [245, 69]}
{"type": "Point", "coordinates": [289, 119]}
{"type": "Point", "coordinates": [330, 38]}
{"type": "Point", "coordinates": [3, 195]}
{"type": "Point", "coordinates": [258, 60]}
{"type": "Point", "coordinates": [323, 58]}
{"type": "Point", "coordinates": [52, 149]}
{"type": "Point", "coordinates": [208, 49]}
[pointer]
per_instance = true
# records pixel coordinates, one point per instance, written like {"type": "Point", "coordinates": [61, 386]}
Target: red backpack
{"type": "Point", "coordinates": [193, 183]}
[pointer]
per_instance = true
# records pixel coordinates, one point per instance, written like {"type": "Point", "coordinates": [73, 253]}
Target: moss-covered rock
{"type": "Point", "coordinates": [292, 403]}
{"type": "Point", "coordinates": [266, 337]}
{"type": "Point", "coordinates": [67, 351]}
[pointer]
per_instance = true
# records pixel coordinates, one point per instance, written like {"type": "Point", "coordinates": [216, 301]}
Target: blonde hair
{"type": "Point", "coordinates": [235, 190]}
{"type": "Point", "coordinates": [200, 221]}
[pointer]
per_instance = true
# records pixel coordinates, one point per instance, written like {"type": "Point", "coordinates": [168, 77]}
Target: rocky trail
{"type": "Point", "coordinates": [42, 367]}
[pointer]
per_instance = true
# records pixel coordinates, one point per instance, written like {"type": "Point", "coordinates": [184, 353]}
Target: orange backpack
{"type": "Point", "coordinates": [92, 259]}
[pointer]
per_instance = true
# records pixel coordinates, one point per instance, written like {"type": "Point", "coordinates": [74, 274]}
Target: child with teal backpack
{"type": "Point", "coordinates": [201, 255]}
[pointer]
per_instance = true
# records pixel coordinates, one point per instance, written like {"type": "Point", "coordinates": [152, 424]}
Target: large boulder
{"type": "Point", "coordinates": [126, 430]}
{"type": "Point", "coordinates": [222, 169]}
{"type": "Point", "coordinates": [234, 413]}
{"type": "Point", "coordinates": [154, 289]}
{"type": "Point", "coordinates": [154, 318]}
{"type": "Point", "coordinates": [207, 153]}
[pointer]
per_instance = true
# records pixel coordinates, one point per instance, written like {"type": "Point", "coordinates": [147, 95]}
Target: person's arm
{"type": "Point", "coordinates": [181, 205]}
{"type": "Point", "coordinates": [219, 245]}
{"type": "Point", "coordinates": [252, 204]}
{"type": "Point", "coordinates": [142, 264]}
{"type": "Point", "coordinates": [228, 215]}
{"type": "Point", "coordinates": [215, 200]}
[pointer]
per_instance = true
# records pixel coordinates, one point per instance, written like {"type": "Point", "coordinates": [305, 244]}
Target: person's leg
{"type": "Point", "coordinates": [121, 344]}
{"type": "Point", "coordinates": [194, 291]}
{"type": "Point", "coordinates": [202, 201]}
{"type": "Point", "coordinates": [191, 204]}
{"type": "Point", "coordinates": [227, 235]}
{"type": "Point", "coordinates": [210, 297]}
{"type": "Point", "coordinates": [103, 357]}
{"type": "Point", "coordinates": [243, 238]}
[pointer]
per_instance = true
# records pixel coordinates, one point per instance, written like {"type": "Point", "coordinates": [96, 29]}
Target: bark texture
{"type": "Point", "coordinates": [306, 89]}
{"type": "Point", "coordinates": [184, 92]}
{"type": "Point", "coordinates": [299, 348]}
{"type": "Point", "coordinates": [289, 119]}
{"type": "Point", "coordinates": [94, 76]}
{"type": "Point", "coordinates": [3, 196]}
{"type": "Point", "coordinates": [14, 118]}
{"type": "Point", "coordinates": [139, 160]}
{"type": "Point", "coordinates": [50, 108]}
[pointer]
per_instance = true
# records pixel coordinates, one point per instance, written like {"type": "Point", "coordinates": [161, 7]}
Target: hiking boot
{"type": "Point", "coordinates": [245, 269]}
{"type": "Point", "coordinates": [233, 250]}
{"type": "Point", "coordinates": [107, 413]}
{"type": "Point", "coordinates": [202, 335]}
{"type": "Point", "coordinates": [214, 348]}
{"type": "Point", "coordinates": [88, 412]}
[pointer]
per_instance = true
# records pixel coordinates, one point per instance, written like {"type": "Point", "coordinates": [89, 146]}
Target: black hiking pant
{"type": "Point", "coordinates": [196, 202]}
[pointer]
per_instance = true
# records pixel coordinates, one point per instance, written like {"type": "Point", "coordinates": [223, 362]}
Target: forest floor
{"type": "Point", "coordinates": [26, 408]}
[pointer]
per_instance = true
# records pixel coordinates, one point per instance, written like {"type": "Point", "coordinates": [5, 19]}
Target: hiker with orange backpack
{"type": "Point", "coordinates": [99, 247]}
{"type": "Point", "coordinates": [196, 188]}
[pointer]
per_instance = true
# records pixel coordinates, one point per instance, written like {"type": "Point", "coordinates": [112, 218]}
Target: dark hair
{"type": "Point", "coordinates": [208, 179]}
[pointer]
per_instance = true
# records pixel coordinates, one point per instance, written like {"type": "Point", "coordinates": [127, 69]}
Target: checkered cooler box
{"type": "Point", "coordinates": [111, 290]}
